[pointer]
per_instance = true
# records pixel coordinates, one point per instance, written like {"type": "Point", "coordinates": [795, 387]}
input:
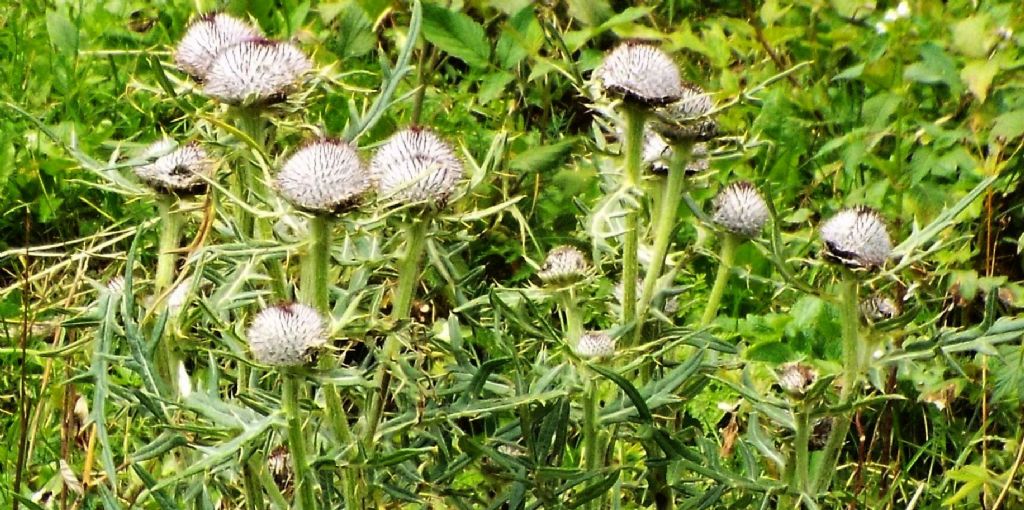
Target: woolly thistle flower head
{"type": "Point", "coordinates": [595, 344]}
{"type": "Point", "coordinates": [416, 165]}
{"type": "Point", "coordinates": [879, 308]}
{"type": "Point", "coordinates": [256, 70]}
{"type": "Point", "coordinates": [856, 237]}
{"type": "Point", "coordinates": [686, 120]}
{"type": "Point", "coordinates": [174, 169]}
{"type": "Point", "coordinates": [205, 38]}
{"type": "Point", "coordinates": [564, 265]}
{"type": "Point", "coordinates": [740, 209]}
{"type": "Point", "coordinates": [796, 378]}
{"type": "Point", "coordinates": [325, 176]}
{"type": "Point", "coordinates": [641, 74]}
{"type": "Point", "coordinates": [284, 335]}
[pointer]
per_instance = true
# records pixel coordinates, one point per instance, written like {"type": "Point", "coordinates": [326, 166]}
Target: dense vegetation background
{"type": "Point", "coordinates": [916, 110]}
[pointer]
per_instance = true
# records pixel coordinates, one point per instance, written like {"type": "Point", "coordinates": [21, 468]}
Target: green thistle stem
{"type": "Point", "coordinates": [573, 321]}
{"type": "Point", "coordinates": [171, 224]}
{"type": "Point", "coordinates": [314, 275]}
{"type": "Point", "coordinates": [850, 321]}
{"type": "Point", "coordinates": [727, 256]}
{"type": "Point", "coordinates": [801, 457]}
{"type": "Point", "coordinates": [664, 224]}
{"type": "Point", "coordinates": [634, 142]}
{"type": "Point", "coordinates": [408, 276]}
{"type": "Point", "coordinates": [590, 406]}
{"type": "Point", "coordinates": [304, 477]}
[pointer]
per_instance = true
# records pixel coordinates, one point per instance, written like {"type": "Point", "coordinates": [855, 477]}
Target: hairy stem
{"type": "Point", "coordinates": [171, 224]}
{"type": "Point", "coordinates": [665, 222]}
{"type": "Point", "coordinates": [314, 282]}
{"type": "Point", "coordinates": [408, 276]}
{"type": "Point", "coordinates": [304, 477]}
{"type": "Point", "coordinates": [630, 265]}
{"type": "Point", "coordinates": [849, 316]}
{"type": "Point", "coordinates": [726, 256]}
{"type": "Point", "coordinates": [801, 457]}
{"type": "Point", "coordinates": [573, 321]}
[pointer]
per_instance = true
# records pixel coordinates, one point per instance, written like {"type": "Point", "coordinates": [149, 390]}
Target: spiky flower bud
{"type": "Point", "coordinates": [416, 165]}
{"type": "Point", "coordinates": [740, 209]}
{"type": "Point", "coordinates": [284, 335]}
{"type": "Point", "coordinates": [595, 344]}
{"type": "Point", "coordinates": [797, 378]}
{"type": "Point", "coordinates": [256, 70]}
{"type": "Point", "coordinates": [325, 176]}
{"type": "Point", "coordinates": [641, 74]}
{"type": "Point", "coordinates": [205, 38]}
{"type": "Point", "coordinates": [686, 120]}
{"type": "Point", "coordinates": [563, 265]}
{"type": "Point", "coordinates": [879, 308]}
{"type": "Point", "coordinates": [857, 237]}
{"type": "Point", "coordinates": [174, 169]}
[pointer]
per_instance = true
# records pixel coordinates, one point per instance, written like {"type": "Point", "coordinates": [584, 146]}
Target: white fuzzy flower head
{"type": "Point", "coordinates": [255, 71]}
{"type": "Point", "coordinates": [879, 308]}
{"type": "Point", "coordinates": [564, 265]}
{"type": "Point", "coordinates": [796, 378]}
{"type": "Point", "coordinates": [740, 209]}
{"type": "Point", "coordinates": [641, 74]}
{"type": "Point", "coordinates": [856, 237]}
{"type": "Point", "coordinates": [325, 176]}
{"type": "Point", "coordinates": [416, 165]}
{"type": "Point", "coordinates": [174, 169]}
{"type": "Point", "coordinates": [595, 344]}
{"type": "Point", "coordinates": [205, 38]}
{"type": "Point", "coordinates": [687, 120]}
{"type": "Point", "coordinates": [285, 335]}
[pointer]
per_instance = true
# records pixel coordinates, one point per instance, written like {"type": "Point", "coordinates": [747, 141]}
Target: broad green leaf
{"type": "Point", "coordinates": [457, 34]}
{"type": "Point", "coordinates": [972, 37]}
{"type": "Point", "coordinates": [63, 33]}
{"type": "Point", "coordinates": [978, 76]}
{"type": "Point", "coordinates": [1007, 126]}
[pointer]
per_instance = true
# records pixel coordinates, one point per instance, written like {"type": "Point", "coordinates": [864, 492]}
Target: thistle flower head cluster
{"type": "Point", "coordinates": [595, 344]}
{"type": "Point", "coordinates": [284, 335]}
{"type": "Point", "coordinates": [640, 74]}
{"type": "Point", "coordinates": [325, 176]}
{"type": "Point", "coordinates": [796, 378]}
{"type": "Point", "coordinates": [205, 38]}
{"type": "Point", "coordinates": [856, 237]}
{"type": "Point", "coordinates": [740, 209]}
{"type": "Point", "coordinates": [256, 70]}
{"type": "Point", "coordinates": [563, 265]}
{"type": "Point", "coordinates": [416, 165]}
{"type": "Point", "coordinates": [174, 169]}
{"type": "Point", "coordinates": [879, 308]}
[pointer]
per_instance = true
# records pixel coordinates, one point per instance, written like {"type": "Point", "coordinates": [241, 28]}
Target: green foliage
{"type": "Point", "coordinates": [915, 110]}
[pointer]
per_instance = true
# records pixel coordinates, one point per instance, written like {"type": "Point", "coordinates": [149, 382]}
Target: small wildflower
{"type": "Point", "coordinates": [595, 344]}
{"type": "Point", "coordinates": [256, 70]}
{"type": "Point", "coordinates": [174, 169]}
{"type": "Point", "coordinates": [285, 335]}
{"type": "Point", "coordinates": [416, 165]}
{"type": "Point", "coordinates": [205, 38]}
{"type": "Point", "coordinates": [640, 73]}
{"type": "Point", "coordinates": [797, 378]}
{"type": "Point", "coordinates": [856, 237]}
{"type": "Point", "coordinates": [563, 265]}
{"type": "Point", "coordinates": [323, 177]}
{"type": "Point", "coordinates": [740, 209]}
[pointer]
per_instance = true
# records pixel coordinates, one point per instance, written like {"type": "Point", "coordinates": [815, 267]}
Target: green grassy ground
{"type": "Point", "coordinates": [915, 110]}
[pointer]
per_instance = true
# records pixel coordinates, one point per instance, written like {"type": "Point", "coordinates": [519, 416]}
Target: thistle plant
{"type": "Point", "coordinates": [857, 240]}
{"type": "Point", "coordinates": [741, 213]}
{"type": "Point", "coordinates": [642, 77]}
{"type": "Point", "coordinates": [205, 38]}
{"type": "Point", "coordinates": [418, 170]}
{"type": "Point", "coordinates": [592, 346]}
{"type": "Point", "coordinates": [796, 380]}
{"type": "Point", "coordinates": [563, 267]}
{"type": "Point", "coordinates": [283, 337]}
{"type": "Point", "coordinates": [173, 171]}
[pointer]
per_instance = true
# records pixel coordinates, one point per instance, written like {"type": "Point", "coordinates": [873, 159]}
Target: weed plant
{"type": "Point", "coordinates": [320, 255]}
